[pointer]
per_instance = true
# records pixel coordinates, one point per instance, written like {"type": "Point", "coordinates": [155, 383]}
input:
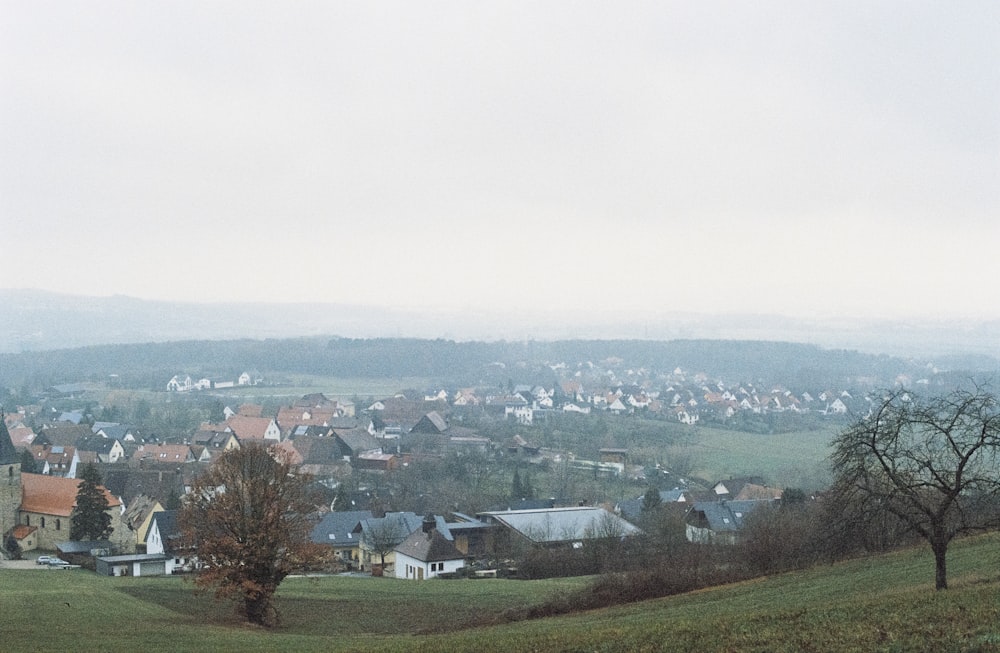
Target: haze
{"type": "Point", "coordinates": [804, 159]}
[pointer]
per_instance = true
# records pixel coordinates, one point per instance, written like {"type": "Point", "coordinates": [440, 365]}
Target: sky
{"type": "Point", "coordinates": [795, 158]}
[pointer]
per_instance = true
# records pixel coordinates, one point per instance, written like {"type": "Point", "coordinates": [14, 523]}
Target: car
{"type": "Point", "coordinates": [43, 560]}
{"type": "Point", "coordinates": [57, 562]}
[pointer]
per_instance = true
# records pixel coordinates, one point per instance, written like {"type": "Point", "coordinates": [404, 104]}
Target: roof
{"type": "Point", "coordinates": [553, 525]}
{"type": "Point", "coordinates": [170, 453]}
{"type": "Point", "coordinates": [135, 557]}
{"type": "Point", "coordinates": [432, 422]}
{"type": "Point", "coordinates": [53, 495]}
{"type": "Point", "coordinates": [254, 428]}
{"type": "Point", "coordinates": [724, 516]}
{"type": "Point", "coordinates": [358, 441]}
{"type": "Point", "coordinates": [337, 528]}
{"type": "Point", "coordinates": [407, 523]}
{"type": "Point", "coordinates": [138, 509]}
{"type": "Point", "coordinates": [8, 454]}
{"type": "Point", "coordinates": [429, 547]}
{"type": "Point", "coordinates": [167, 526]}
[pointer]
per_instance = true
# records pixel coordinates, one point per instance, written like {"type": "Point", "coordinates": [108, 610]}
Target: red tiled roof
{"type": "Point", "coordinates": [53, 495]}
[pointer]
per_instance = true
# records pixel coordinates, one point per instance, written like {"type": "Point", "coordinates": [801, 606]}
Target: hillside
{"type": "Point", "coordinates": [151, 365]}
{"type": "Point", "coordinates": [877, 604]}
{"type": "Point", "coordinates": [32, 320]}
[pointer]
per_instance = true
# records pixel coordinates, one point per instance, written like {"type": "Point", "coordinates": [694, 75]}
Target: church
{"type": "Point", "coordinates": [35, 509]}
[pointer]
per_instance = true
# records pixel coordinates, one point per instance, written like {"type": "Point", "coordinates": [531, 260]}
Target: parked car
{"type": "Point", "coordinates": [57, 562]}
{"type": "Point", "coordinates": [43, 560]}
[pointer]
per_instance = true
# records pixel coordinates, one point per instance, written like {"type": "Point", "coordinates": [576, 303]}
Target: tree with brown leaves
{"type": "Point", "coordinates": [249, 519]}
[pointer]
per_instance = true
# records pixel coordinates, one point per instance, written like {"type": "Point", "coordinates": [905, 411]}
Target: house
{"type": "Point", "coordinates": [380, 536]}
{"type": "Point", "coordinates": [561, 526]}
{"type": "Point", "coordinates": [718, 522]}
{"type": "Point", "coordinates": [356, 442]}
{"type": "Point", "coordinates": [62, 435]}
{"type": "Point", "coordinates": [260, 429]}
{"type": "Point", "coordinates": [337, 530]}
{"type": "Point", "coordinates": [165, 538]}
{"type": "Point", "coordinates": [632, 508]}
{"type": "Point", "coordinates": [215, 438]}
{"type": "Point", "coordinates": [55, 460]}
{"type": "Point", "coordinates": [138, 516]}
{"type": "Point", "coordinates": [165, 453]}
{"type": "Point", "coordinates": [107, 450]}
{"type": "Point", "coordinates": [47, 502]}
{"type": "Point", "coordinates": [383, 462]}
{"type": "Point", "coordinates": [180, 383]}
{"type": "Point", "coordinates": [426, 553]}
{"type": "Point", "coordinates": [431, 423]}
{"type": "Point", "coordinates": [134, 564]}
{"type": "Point", "coordinates": [115, 431]}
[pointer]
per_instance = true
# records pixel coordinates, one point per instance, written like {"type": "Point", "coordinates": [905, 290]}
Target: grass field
{"type": "Point", "coordinates": [879, 604]}
{"type": "Point", "coordinates": [797, 459]}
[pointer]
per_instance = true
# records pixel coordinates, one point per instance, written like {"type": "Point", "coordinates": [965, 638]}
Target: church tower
{"type": "Point", "coordinates": [10, 482]}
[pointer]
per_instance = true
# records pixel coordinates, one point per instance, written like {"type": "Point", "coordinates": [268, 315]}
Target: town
{"type": "Point", "coordinates": [474, 469]}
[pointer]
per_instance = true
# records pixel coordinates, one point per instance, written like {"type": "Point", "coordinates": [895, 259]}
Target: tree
{"type": "Point", "coordinates": [383, 535]}
{"type": "Point", "coordinates": [516, 490]}
{"type": "Point", "coordinates": [932, 463]}
{"type": "Point", "coordinates": [90, 519]}
{"type": "Point", "coordinates": [249, 518]}
{"type": "Point", "coordinates": [28, 465]}
{"type": "Point", "coordinates": [651, 501]}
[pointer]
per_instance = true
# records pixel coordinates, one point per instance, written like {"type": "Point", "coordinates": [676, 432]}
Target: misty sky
{"type": "Point", "coordinates": [802, 158]}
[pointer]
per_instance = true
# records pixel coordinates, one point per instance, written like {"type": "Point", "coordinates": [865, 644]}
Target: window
{"type": "Point", "coordinates": [58, 524]}
{"type": "Point", "coordinates": [27, 520]}
{"type": "Point", "coordinates": [43, 522]}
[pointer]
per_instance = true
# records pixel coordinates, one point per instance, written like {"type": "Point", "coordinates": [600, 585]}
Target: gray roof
{"type": "Point", "coordinates": [724, 516]}
{"type": "Point", "coordinates": [337, 528]}
{"type": "Point", "coordinates": [407, 522]}
{"type": "Point", "coordinates": [554, 525]}
{"type": "Point", "coordinates": [429, 547]}
{"type": "Point", "coordinates": [8, 454]}
{"type": "Point", "coordinates": [135, 557]}
{"type": "Point", "coordinates": [169, 529]}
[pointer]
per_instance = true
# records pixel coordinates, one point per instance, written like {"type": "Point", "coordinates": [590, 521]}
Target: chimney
{"type": "Point", "coordinates": [429, 523]}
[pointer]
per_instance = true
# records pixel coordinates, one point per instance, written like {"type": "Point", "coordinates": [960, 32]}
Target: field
{"type": "Point", "coordinates": [796, 459]}
{"type": "Point", "coordinates": [878, 604]}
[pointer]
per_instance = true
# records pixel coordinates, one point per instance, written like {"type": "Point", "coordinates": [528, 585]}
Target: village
{"type": "Point", "coordinates": [353, 452]}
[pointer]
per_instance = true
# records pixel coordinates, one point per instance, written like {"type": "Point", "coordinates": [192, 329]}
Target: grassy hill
{"type": "Point", "coordinates": [878, 604]}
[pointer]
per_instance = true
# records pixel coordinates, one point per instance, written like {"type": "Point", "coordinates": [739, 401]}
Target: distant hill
{"type": "Point", "coordinates": [33, 320]}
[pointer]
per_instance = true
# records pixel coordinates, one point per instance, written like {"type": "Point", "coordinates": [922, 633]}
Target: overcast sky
{"type": "Point", "coordinates": [800, 158]}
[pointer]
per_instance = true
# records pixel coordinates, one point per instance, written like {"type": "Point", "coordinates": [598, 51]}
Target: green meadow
{"type": "Point", "coordinates": [875, 604]}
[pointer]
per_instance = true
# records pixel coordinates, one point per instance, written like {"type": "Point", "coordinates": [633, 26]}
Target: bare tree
{"type": "Point", "coordinates": [385, 534]}
{"type": "Point", "coordinates": [933, 463]}
{"type": "Point", "coordinates": [249, 518]}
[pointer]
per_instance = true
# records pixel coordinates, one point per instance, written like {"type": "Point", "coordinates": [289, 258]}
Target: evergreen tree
{"type": "Point", "coordinates": [516, 489]}
{"type": "Point", "coordinates": [526, 487]}
{"type": "Point", "coordinates": [28, 465]}
{"type": "Point", "coordinates": [90, 519]}
{"type": "Point", "coordinates": [651, 501]}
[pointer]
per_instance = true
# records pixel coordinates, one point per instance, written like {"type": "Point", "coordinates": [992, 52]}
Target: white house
{"type": "Point", "coordinates": [179, 384]}
{"type": "Point", "coordinates": [427, 553]}
{"type": "Point", "coordinates": [163, 539]}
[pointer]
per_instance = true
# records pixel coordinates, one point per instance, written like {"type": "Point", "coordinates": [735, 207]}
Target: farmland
{"type": "Point", "coordinates": [884, 603]}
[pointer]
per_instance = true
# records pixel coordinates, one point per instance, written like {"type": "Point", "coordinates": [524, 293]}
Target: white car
{"type": "Point", "coordinates": [56, 562]}
{"type": "Point", "coordinates": [43, 560]}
